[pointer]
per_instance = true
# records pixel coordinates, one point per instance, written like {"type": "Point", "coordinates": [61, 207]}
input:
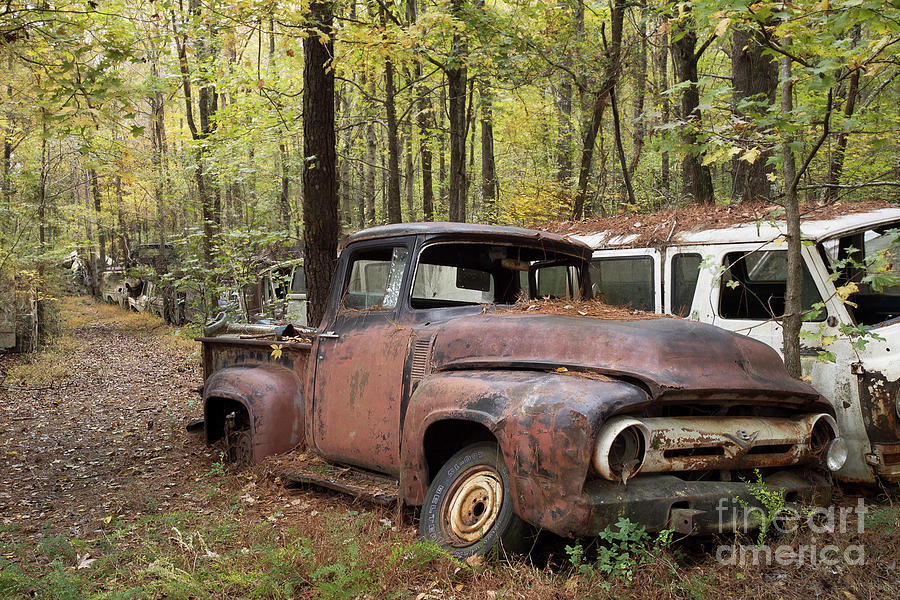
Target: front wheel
{"type": "Point", "coordinates": [468, 508]}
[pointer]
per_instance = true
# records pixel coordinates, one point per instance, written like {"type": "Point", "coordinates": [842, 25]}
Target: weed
{"type": "Point", "coordinates": [773, 503]}
{"type": "Point", "coordinates": [694, 587]}
{"type": "Point", "coordinates": [12, 580]}
{"type": "Point", "coordinates": [627, 546]}
{"type": "Point", "coordinates": [46, 366]}
{"type": "Point", "coordinates": [57, 549]}
{"type": "Point", "coordinates": [885, 519]}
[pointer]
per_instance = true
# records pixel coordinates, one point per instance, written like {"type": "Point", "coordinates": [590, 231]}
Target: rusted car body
{"type": "Point", "coordinates": [734, 278]}
{"type": "Point", "coordinates": [489, 417]}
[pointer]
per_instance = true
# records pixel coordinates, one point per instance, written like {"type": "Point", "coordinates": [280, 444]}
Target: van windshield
{"type": "Point", "coordinates": [868, 263]}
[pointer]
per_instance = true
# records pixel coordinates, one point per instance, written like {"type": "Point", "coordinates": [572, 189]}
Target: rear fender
{"type": "Point", "coordinates": [545, 424]}
{"type": "Point", "coordinates": [272, 397]}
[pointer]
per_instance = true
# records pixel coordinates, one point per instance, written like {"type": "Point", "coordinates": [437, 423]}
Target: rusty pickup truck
{"type": "Point", "coordinates": [493, 420]}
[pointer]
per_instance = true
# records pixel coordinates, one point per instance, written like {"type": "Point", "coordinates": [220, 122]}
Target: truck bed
{"type": "Point", "coordinates": [227, 351]}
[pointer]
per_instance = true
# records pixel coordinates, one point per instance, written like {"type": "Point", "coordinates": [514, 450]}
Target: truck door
{"type": "Point", "coordinates": [359, 364]}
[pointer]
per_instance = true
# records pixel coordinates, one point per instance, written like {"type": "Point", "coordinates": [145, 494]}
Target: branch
{"type": "Point", "coordinates": [703, 48]}
{"type": "Point", "coordinates": [825, 130]}
{"type": "Point", "coordinates": [851, 186]}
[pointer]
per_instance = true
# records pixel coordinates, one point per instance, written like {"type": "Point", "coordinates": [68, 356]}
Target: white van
{"type": "Point", "coordinates": [734, 277]}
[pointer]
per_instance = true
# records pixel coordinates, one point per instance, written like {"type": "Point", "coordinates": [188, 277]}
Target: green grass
{"type": "Point", "coordinates": [189, 555]}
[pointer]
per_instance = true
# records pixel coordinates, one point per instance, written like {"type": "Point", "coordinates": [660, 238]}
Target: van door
{"type": "Point", "coordinates": [629, 278]}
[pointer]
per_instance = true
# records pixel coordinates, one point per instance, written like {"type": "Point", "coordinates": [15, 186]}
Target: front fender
{"type": "Point", "coordinates": [544, 423]}
{"type": "Point", "coordinates": [272, 396]}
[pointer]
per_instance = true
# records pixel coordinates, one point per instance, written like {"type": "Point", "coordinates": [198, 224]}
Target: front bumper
{"type": "Point", "coordinates": [694, 507]}
{"type": "Point", "coordinates": [886, 459]}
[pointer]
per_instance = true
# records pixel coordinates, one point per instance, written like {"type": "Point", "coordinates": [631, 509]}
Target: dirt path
{"type": "Point", "coordinates": [108, 441]}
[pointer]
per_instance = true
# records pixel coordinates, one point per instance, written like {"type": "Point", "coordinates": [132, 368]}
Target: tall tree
{"type": "Point", "coordinates": [600, 99]}
{"type": "Point", "coordinates": [424, 123]}
{"type": "Point", "coordinates": [456, 92]}
{"type": "Point", "coordinates": [696, 176]}
{"type": "Point", "coordinates": [320, 203]}
{"type": "Point", "coordinates": [754, 76]}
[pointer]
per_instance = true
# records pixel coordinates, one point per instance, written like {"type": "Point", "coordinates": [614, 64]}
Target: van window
{"type": "Point", "coordinates": [685, 270]}
{"type": "Point", "coordinates": [624, 281]}
{"type": "Point", "coordinates": [753, 286]}
{"type": "Point", "coordinates": [871, 260]}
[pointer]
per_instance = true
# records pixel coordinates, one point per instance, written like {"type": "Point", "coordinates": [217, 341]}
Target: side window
{"type": "Point", "coordinates": [685, 270]}
{"type": "Point", "coordinates": [375, 278]}
{"type": "Point", "coordinates": [753, 286]}
{"type": "Point", "coordinates": [624, 281]}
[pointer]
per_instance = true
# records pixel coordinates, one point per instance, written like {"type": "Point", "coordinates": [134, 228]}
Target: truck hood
{"type": "Point", "coordinates": [671, 357]}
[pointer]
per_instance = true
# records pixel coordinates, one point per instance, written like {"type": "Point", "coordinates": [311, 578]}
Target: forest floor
{"type": "Point", "coordinates": [104, 494]}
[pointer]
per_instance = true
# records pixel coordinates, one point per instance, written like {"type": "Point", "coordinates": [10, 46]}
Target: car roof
{"type": "Point", "coordinates": [468, 232]}
{"type": "Point", "coordinates": [758, 231]}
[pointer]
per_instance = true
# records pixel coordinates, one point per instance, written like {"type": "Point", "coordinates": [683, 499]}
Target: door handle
{"type": "Point", "coordinates": [329, 334]}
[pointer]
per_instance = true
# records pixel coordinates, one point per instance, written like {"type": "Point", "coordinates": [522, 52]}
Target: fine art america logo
{"type": "Point", "coordinates": [735, 515]}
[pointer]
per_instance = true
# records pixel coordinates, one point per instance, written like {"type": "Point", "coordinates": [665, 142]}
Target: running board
{"type": "Point", "coordinates": [310, 470]}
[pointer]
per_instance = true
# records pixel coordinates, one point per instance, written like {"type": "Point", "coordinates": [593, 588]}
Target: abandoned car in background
{"type": "Point", "coordinates": [734, 277]}
{"type": "Point", "coordinates": [493, 419]}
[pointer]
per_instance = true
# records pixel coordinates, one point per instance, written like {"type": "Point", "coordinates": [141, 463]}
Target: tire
{"type": "Point", "coordinates": [239, 447]}
{"type": "Point", "coordinates": [468, 508]}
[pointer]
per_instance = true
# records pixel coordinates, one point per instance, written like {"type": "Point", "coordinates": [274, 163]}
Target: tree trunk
{"type": "Point", "coordinates": [393, 207]}
{"type": "Point", "coordinates": [836, 164]}
{"type": "Point", "coordinates": [640, 89]}
{"type": "Point", "coordinates": [424, 123]}
{"type": "Point", "coordinates": [408, 169]}
{"type": "Point", "coordinates": [444, 191]}
{"type": "Point", "coordinates": [488, 170]}
{"type": "Point", "coordinates": [371, 162]}
{"type": "Point", "coordinates": [662, 64]}
{"type": "Point", "coordinates": [696, 178]}
{"type": "Point", "coordinates": [7, 127]}
{"type": "Point", "coordinates": [207, 104]}
{"type": "Point", "coordinates": [98, 214]}
{"type": "Point", "coordinates": [753, 74]}
{"type": "Point", "coordinates": [792, 299]}
{"type": "Point", "coordinates": [320, 204]}
{"type": "Point", "coordinates": [456, 89]}
{"type": "Point", "coordinates": [601, 98]}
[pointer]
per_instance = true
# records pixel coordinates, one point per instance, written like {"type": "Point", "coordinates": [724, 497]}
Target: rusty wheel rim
{"type": "Point", "coordinates": [474, 504]}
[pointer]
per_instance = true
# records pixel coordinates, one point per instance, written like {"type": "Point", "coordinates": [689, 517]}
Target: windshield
{"type": "Point", "coordinates": [865, 266]}
{"type": "Point", "coordinates": [461, 274]}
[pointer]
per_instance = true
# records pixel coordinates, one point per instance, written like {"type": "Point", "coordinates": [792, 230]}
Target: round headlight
{"type": "Point", "coordinates": [620, 449]}
{"type": "Point", "coordinates": [897, 404]}
{"type": "Point", "coordinates": [836, 455]}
